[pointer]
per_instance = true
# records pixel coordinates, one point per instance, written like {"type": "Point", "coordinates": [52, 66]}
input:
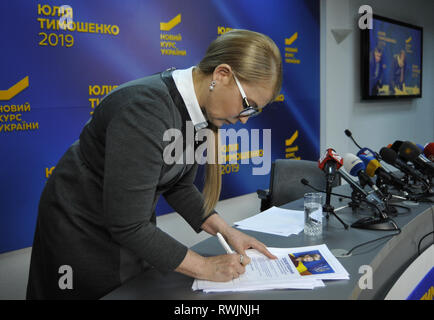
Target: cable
{"type": "Point", "coordinates": [371, 241]}
{"type": "Point", "coordinates": [426, 191]}
{"type": "Point", "coordinates": [338, 195]}
{"type": "Point", "coordinates": [420, 241]}
{"type": "Point", "coordinates": [306, 183]}
{"type": "Point", "coordinates": [375, 206]}
{"type": "Point", "coordinates": [348, 197]}
{"type": "Point", "coordinates": [421, 199]}
{"type": "Point", "coordinates": [388, 236]}
{"type": "Point", "coordinates": [399, 206]}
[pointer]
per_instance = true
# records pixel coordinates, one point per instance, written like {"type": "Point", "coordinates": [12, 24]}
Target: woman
{"type": "Point", "coordinates": [97, 211]}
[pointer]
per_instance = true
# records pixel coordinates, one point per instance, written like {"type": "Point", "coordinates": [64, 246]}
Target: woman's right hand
{"type": "Point", "coordinates": [223, 268]}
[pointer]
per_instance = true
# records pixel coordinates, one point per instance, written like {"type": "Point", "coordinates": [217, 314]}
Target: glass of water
{"type": "Point", "coordinates": [313, 215]}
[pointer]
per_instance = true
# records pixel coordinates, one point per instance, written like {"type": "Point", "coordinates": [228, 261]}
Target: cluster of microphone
{"type": "Point", "coordinates": [412, 180]}
{"type": "Point", "coordinates": [414, 161]}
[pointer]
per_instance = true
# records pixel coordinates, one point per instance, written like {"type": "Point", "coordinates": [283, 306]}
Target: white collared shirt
{"type": "Point", "coordinates": [184, 83]}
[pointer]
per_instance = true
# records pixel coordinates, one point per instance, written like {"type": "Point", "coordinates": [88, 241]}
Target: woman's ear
{"type": "Point", "coordinates": [223, 74]}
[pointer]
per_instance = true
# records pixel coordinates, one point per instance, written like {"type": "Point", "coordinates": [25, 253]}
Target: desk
{"type": "Point", "coordinates": [388, 259]}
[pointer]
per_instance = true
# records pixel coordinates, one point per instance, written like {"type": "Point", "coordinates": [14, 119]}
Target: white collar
{"type": "Point", "coordinates": [184, 83]}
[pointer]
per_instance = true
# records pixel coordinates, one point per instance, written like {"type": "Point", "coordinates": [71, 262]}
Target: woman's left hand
{"type": "Point", "coordinates": [240, 241]}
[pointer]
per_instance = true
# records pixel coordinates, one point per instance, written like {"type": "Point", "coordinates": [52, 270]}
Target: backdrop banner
{"type": "Point", "coordinates": [60, 58]}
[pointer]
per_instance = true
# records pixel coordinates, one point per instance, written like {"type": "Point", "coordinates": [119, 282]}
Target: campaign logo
{"type": "Point", "coordinates": [11, 114]}
{"type": "Point", "coordinates": [291, 149]}
{"type": "Point", "coordinates": [290, 50]}
{"type": "Point", "coordinates": [15, 89]}
{"type": "Point", "coordinates": [169, 41]}
{"type": "Point", "coordinates": [167, 26]}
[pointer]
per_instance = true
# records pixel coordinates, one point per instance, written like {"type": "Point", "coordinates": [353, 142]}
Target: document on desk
{"type": "Point", "coordinates": [278, 221]}
{"type": "Point", "coordinates": [295, 268]}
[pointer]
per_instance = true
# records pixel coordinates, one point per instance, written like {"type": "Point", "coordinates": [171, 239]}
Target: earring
{"type": "Point", "coordinates": [211, 86]}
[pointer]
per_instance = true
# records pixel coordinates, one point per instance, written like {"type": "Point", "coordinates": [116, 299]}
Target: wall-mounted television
{"type": "Point", "coordinates": [391, 55]}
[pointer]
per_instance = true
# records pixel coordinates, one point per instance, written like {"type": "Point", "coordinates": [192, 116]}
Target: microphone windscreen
{"type": "Point", "coordinates": [353, 164]}
{"type": "Point", "coordinates": [348, 133]}
{"type": "Point", "coordinates": [371, 164]}
{"type": "Point", "coordinates": [330, 155]}
{"type": "Point", "coordinates": [388, 155]}
{"type": "Point", "coordinates": [409, 151]}
{"type": "Point", "coordinates": [372, 167]}
{"type": "Point", "coordinates": [396, 145]}
{"type": "Point", "coordinates": [366, 152]}
{"type": "Point", "coordinates": [428, 151]}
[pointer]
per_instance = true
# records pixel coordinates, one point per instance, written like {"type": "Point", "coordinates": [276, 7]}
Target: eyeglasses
{"type": "Point", "coordinates": [248, 111]}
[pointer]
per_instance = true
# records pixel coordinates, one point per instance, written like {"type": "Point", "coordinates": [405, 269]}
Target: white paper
{"type": "Point", "coordinates": [326, 260]}
{"type": "Point", "coordinates": [266, 274]}
{"type": "Point", "coordinates": [278, 221]}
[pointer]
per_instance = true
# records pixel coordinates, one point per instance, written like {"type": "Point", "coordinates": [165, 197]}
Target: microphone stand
{"type": "Point", "coordinates": [328, 208]}
{"type": "Point", "coordinates": [381, 184]}
{"type": "Point", "coordinates": [383, 222]}
{"type": "Point", "coordinates": [356, 199]}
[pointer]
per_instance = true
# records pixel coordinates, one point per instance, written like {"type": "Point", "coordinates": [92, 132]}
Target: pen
{"type": "Point", "coordinates": [224, 243]}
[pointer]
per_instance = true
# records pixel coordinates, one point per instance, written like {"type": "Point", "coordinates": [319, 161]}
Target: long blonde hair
{"type": "Point", "coordinates": [254, 58]}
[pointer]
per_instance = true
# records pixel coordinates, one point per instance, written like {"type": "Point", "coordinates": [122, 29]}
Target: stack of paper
{"type": "Point", "coordinates": [295, 268]}
{"type": "Point", "coordinates": [278, 221]}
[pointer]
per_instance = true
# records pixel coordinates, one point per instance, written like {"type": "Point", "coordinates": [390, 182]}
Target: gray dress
{"type": "Point", "coordinates": [97, 211]}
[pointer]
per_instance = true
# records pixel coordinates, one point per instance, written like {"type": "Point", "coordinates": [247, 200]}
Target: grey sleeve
{"type": "Point", "coordinates": [187, 200]}
{"type": "Point", "coordinates": [133, 162]}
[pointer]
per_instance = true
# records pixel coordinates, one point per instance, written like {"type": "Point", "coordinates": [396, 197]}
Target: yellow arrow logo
{"type": "Point", "coordinates": [15, 89]}
{"type": "Point", "coordinates": [289, 41]}
{"type": "Point", "coordinates": [290, 141]}
{"type": "Point", "coordinates": [167, 26]}
{"type": "Point", "coordinates": [290, 151]}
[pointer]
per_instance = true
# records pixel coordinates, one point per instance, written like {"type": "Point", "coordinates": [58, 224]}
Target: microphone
{"type": "Point", "coordinates": [410, 152]}
{"type": "Point", "coordinates": [396, 145]}
{"type": "Point", "coordinates": [371, 164]}
{"type": "Point", "coordinates": [307, 184]}
{"type": "Point", "coordinates": [391, 158]}
{"type": "Point", "coordinates": [371, 199]}
{"type": "Point", "coordinates": [349, 134]}
{"type": "Point", "coordinates": [330, 162]}
{"type": "Point", "coordinates": [356, 167]}
{"type": "Point", "coordinates": [421, 147]}
{"type": "Point", "coordinates": [354, 185]}
{"type": "Point", "coordinates": [374, 153]}
{"type": "Point", "coordinates": [373, 167]}
{"type": "Point", "coordinates": [428, 151]}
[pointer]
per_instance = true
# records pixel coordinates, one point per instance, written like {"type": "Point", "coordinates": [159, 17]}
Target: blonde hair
{"type": "Point", "coordinates": [254, 59]}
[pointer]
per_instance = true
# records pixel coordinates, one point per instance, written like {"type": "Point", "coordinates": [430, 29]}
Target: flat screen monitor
{"type": "Point", "coordinates": [391, 60]}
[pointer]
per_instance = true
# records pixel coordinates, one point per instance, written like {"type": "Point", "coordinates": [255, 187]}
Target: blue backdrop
{"type": "Point", "coordinates": [52, 79]}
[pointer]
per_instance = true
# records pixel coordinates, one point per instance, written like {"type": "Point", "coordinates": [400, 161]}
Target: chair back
{"type": "Point", "coordinates": [285, 185]}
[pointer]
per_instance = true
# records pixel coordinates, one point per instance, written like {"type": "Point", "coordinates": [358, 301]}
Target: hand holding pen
{"type": "Point", "coordinates": [228, 249]}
